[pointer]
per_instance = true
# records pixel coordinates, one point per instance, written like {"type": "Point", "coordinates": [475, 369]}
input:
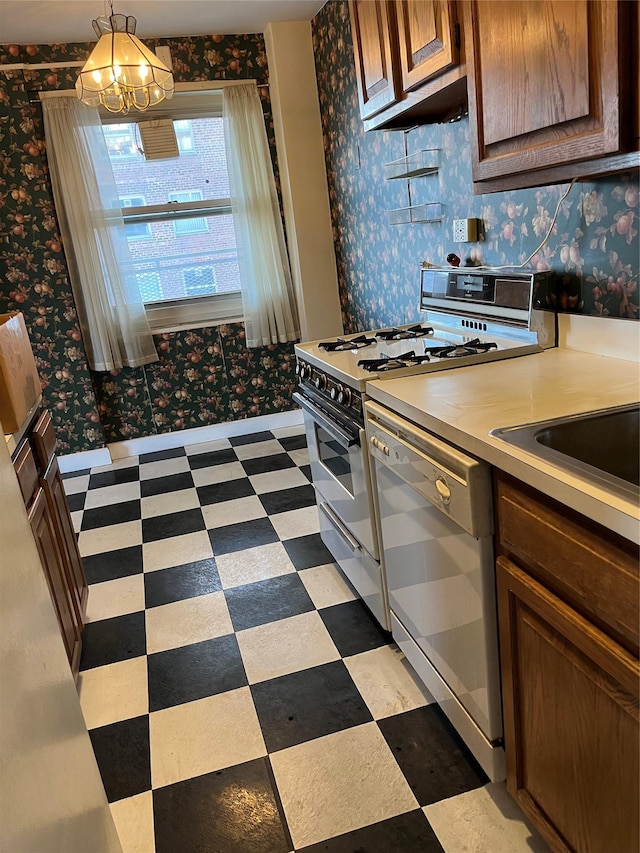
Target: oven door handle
{"type": "Point", "coordinates": [337, 525]}
{"type": "Point", "coordinates": [343, 438]}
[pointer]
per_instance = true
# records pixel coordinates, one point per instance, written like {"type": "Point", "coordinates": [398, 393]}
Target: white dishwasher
{"type": "Point", "coordinates": [436, 521]}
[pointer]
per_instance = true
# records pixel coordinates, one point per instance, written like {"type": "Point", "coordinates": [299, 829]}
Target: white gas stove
{"type": "Point", "coordinates": [470, 317]}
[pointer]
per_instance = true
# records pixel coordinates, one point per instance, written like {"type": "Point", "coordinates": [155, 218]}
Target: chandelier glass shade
{"type": "Point", "coordinates": [122, 74]}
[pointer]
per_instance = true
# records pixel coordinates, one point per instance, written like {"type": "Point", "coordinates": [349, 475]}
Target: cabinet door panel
{"type": "Point", "coordinates": [54, 491]}
{"type": "Point", "coordinates": [571, 720]}
{"type": "Point", "coordinates": [594, 571]}
{"type": "Point", "coordinates": [426, 31]}
{"type": "Point", "coordinates": [46, 536]}
{"type": "Point", "coordinates": [43, 439]}
{"type": "Point", "coordinates": [540, 48]}
{"type": "Point", "coordinates": [547, 83]}
{"type": "Point", "coordinates": [26, 472]}
{"type": "Point", "coordinates": [373, 28]}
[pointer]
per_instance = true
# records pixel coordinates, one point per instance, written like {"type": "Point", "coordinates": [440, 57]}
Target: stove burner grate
{"type": "Point", "coordinates": [474, 347]}
{"type": "Point", "coordinates": [341, 344]}
{"type": "Point", "coordinates": [417, 331]}
{"type": "Point", "coordinates": [387, 363]}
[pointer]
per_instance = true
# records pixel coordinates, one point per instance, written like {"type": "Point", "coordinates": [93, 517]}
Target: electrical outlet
{"type": "Point", "coordinates": [465, 230]}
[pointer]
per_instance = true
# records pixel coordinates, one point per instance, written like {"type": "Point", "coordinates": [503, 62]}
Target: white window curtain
{"type": "Point", "coordinates": [268, 299]}
{"type": "Point", "coordinates": [110, 310]}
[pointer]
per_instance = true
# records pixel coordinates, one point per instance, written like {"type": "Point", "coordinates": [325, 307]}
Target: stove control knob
{"type": "Point", "coordinates": [344, 397]}
{"type": "Point", "coordinates": [320, 381]}
{"type": "Point", "coordinates": [298, 368]}
{"type": "Point", "coordinates": [305, 371]}
{"type": "Point", "coordinates": [336, 392]}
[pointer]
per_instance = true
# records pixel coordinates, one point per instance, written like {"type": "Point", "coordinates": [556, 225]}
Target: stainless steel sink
{"type": "Point", "coordinates": [602, 447]}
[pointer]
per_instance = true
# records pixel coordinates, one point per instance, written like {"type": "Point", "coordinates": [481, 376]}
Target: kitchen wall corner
{"type": "Point", "coordinates": [298, 133]}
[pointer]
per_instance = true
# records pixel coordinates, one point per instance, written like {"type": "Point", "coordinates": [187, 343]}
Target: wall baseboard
{"type": "Point", "coordinates": [84, 459]}
{"type": "Point", "coordinates": [200, 435]}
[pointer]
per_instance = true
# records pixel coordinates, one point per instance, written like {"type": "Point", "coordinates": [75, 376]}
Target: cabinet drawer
{"type": "Point", "coordinates": [43, 439]}
{"type": "Point", "coordinates": [585, 565]}
{"type": "Point", "coordinates": [26, 472]}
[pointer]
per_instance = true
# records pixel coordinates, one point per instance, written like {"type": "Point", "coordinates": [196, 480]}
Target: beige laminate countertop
{"type": "Point", "coordinates": [464, 405]}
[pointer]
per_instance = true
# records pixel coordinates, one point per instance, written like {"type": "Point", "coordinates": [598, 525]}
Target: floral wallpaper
{"type": "Point", "coordinates": [593, 247]}
{"type": "Point", "coordinates": [204, 376]}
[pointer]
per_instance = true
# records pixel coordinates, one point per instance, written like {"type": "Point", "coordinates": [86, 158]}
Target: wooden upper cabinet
{"type": "Point", "coordinates": [374, 37]}
{"type": "Point", "coordinates": [409, 61]}
{"type": "Point", "coordinates": [427, 40]}
{"type": "Point", "coordinates": [549, 86]}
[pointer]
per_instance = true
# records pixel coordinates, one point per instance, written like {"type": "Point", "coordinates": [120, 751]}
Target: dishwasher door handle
{"type": "Point", "coordinates": [379, 445]}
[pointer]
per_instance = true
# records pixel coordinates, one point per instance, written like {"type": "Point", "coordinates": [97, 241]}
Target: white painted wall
{"type": "Point", "coordinates": [51, 795]}
{"type": "Point", "coordinates": [296, 113]}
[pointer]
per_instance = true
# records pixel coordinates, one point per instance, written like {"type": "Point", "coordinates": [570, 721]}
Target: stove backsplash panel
{"type": "Point", "coordinates": [594, 249]}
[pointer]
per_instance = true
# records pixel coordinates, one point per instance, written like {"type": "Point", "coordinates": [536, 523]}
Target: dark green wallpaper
{"type": "Point", "coordinates": [204, 376]}
{"type": "Point", "coordinates": [594, 245]}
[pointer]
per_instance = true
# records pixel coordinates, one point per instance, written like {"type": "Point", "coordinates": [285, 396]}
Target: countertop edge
{"type": "Point", "coordinates": [613, 512]}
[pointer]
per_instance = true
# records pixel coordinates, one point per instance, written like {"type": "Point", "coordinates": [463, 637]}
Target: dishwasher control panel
{"type": "Point", "coordinates": [458, 484]}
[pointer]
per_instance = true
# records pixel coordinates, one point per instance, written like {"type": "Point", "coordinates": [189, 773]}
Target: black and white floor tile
{"type": "Point", "coordinates": [239, 697]}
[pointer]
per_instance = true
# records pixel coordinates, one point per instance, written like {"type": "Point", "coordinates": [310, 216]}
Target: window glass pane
{"type": "Point", "coordinates": [184, 136]}
{"type": "Point", "coordinates": [195, 264]}
{"type": "Point", "coordinates": [149, 284]}
{"type": "Point", "coordinates": [199, 281]}
{"type": "Point", "coordinates": [184, 256]}
{"type": "Point", "coordinates": [193, 225]}
{"type": "Point", "coordinates": [157, 179]}
{"type": "Point", "coordinates": [135, 230]}
{"type": "Point", "coordinates": [121, 140]}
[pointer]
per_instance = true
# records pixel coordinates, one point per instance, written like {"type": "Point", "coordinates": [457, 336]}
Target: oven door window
{"type": "Point", "coordinates": [335, 458]}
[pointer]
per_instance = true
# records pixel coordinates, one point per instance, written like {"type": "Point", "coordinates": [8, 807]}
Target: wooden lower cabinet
{"type": "Point", "coordinates": [51, 481]}
{"type": "Point", "coordinates": [570, 686]}
{"type": "Point", "coordinates": [40, 481]}
{"type": "Point", "coordinates": [46, 535]}
{"type": "Point", "coordinates": [571, 720]}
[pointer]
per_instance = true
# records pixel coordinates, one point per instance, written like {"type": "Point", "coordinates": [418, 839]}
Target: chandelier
{"type": "Point", "coordinates": [121, 72]}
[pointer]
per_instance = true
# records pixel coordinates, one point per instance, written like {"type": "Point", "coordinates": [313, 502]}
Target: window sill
{"type": "Point", "coordinates": [196, 313]}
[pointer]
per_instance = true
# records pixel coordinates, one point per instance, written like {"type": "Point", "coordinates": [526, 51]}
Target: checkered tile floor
{"type": "Point", "coordinates": [239, 697]}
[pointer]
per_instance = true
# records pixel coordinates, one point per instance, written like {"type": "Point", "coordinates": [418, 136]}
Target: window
{"type": "Point", "coordinates": [121, 140]}
{"type": "Point", "coordinates": [135, 230]}
{"type": "Point", "coordinates": [182, 241]}
{"type": "Point", "coordinates": [199, 280]}
{"type": "Point", "coordinates": [184, 136]}
{"type": "Point", "coordinates": [195, 225]}
{"type": "Point", "coordinates": [149, 284]}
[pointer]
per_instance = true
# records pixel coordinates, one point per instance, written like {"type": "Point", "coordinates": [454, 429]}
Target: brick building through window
{"type": "Point", "coordinates": [177, 211]}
